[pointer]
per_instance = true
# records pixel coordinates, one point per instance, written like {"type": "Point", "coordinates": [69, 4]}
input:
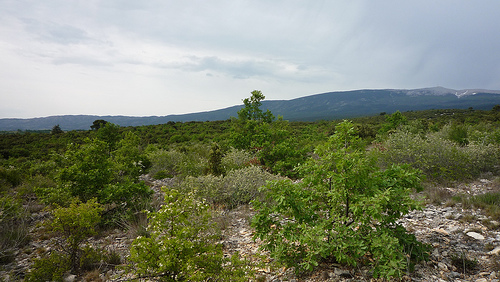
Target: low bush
{"type": "Point", "coordinates": [182, 162]}
{"type": "Point", "coordinates": [14, 228]}
{"type": "Point", "coordinates": [49, 268]}
{"type": "Point", "coordinates": [76, 224]}
{"type": "Point", "coordinates": [235, 188]}
{"type": "Point", "coordinates": [439, 158]}
{"type": "Point", "coordinates": [236, 159]}
{"type": "Point", "coordinates": [183, 244]}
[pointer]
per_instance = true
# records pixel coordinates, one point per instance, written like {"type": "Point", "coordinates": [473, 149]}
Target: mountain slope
{"type": "Point", "coordinates": [326, 106]}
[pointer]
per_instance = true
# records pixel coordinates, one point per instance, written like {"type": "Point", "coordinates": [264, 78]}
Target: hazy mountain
{"type": "Point", "coordinates": [326, 106]}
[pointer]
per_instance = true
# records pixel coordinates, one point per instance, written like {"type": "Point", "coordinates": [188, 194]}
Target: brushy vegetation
{"type": "Point", "coordinates": [345, 209]}
{"type": "Point", "coordinates": [323, 191]}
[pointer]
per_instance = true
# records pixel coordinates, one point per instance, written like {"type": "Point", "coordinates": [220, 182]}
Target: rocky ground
{"type": "Point", "coordinates": [458, 236]}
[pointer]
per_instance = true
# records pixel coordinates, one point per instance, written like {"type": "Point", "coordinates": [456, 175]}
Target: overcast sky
{"type": "Point", "coordinates": [161, 57]}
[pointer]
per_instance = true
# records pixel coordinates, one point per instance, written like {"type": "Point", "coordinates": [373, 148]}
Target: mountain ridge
{"type": "Point", "coordinates": [322, 106]}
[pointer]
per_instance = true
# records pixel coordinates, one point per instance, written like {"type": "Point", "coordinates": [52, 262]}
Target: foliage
{"type": "Point", "coordinates": [458, 134]}
{"type": "Point", "coordinates": [9, 177]}
{"type": "Point", "coordinates": [252, 111]}
{"type": "Point", "coordinates": [97, 124]}
{"type": "Point", "coordinates": [130, 162]}
{"type": "Point", "coordinates": [272, 140]}
{"type": "Point", "coordinates": [110, 135]}
{"type": "Point", "coordinates": [236, 159]}
{"type": "Point", "coordinates": [345, 208]}
{"type": "Point", "coordinates": [250, 125]}
{"type": "Point", "coordinates": [393, 122]}
{"type": "Point", "coordinates": [49, 268]}
{"type": "Point", "coordinates": [13, 228]}
{"type": "Point", "coordinates": [182, 245]}
{"type": "Point", "coordinates": [489, 202]}
{"type": "Point", "coordinates": [192, 161]}
{"type": "Point", "coordinates": [85, 169]}
{"type": "Point", "coordinates": [237, 187]}
{"type": "Point", "coordinates": [215, 161]}
{"type": "Point", "coordinates": [439, 158]}
{"type": "Point", "coordinates": [76, 223]}
{"type": "Point", "coordinates": [56, 130]}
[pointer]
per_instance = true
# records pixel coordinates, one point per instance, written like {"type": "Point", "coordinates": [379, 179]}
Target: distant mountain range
{"type": "Point", "coordinates": [326, 106]}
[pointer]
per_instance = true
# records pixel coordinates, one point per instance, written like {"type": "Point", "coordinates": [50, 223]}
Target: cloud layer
{"type": "Point", "coordinates": [169, 57]}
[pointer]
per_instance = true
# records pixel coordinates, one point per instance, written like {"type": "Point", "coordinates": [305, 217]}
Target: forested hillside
{"type": "Point", "coordinates": [324, 106]}
{"type": "Point", "coordinates": [321, 193]}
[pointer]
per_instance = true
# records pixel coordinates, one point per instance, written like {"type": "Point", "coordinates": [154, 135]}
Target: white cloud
{"type": "Point", "coordinates": [164, 57]}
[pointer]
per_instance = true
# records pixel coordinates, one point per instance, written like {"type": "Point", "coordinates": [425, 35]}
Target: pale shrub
{"type": "Point", "coordinates": [439, 158]}
{"type": "Point", "coordinates": [164, 163]}
{"type": "Point", "coordinates": [236, 159]}
{"type": "Point", "coordinates": [238, 187]}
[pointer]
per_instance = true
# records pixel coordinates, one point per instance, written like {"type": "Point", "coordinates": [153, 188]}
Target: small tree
{"type": "Point", "coordinates": [345, 209]}
{"type": "Point", "coordinates": [215, 160]}
{"type": "Point", "coordinates": [393, 122]}
{"type": "Point", "coordinates": [56, 130]}
{"type": "Point", "coordinates": [110, 134]}
{"type": "Point", "coordinates": [76, 223]}
{"type": "Point", "coordinates": [256, 130]}
{"type": "Point", "coordinates": [182, 245]}
{"type": "Point", "coordinates": [98, 123]}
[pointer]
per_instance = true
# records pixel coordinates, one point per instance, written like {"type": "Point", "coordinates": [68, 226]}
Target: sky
{"type": "Point", "coordinates": [162, 57]}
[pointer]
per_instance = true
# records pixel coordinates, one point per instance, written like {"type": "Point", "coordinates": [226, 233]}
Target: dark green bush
{"type": "Point", "coordinates": [49, 268]}
{"type": "Point", "coordinates": [346, 209]}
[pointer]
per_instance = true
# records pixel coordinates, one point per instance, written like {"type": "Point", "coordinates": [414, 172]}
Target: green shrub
{"type": "Point", "coordinates": [458, 134]}
{"type": "Point", "coordinates": [236, 159]}
{"type": "Point", "coordinates": [182, 162]}
{"type": "Point", "coordinates": [439, 158]}
{"type": "Point", "coordinates": [237, 187]}
{"type": "Point", "coordinates": [14, 228]}
{"type": "Point", "coordinates": [76, 223]}
{"type": "Point", "coordinates": [215, 160]}
{"type": "Point", "coordinates": [182, 245]}
{"type": "Point", "coordinates": [9, 177]}
{"type": "Point", "coordinates": [345, 209]}
{"type": "Point", "coordinates": [49, 268]}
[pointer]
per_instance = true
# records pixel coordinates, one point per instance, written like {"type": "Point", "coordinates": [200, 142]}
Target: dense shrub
{"type": "Point", "coordinates": [76, 224]}
{"type": "Point", "coordinates": [49, 268]}
{"type": "Point", "coordinates": [345, 209]}
{"type": "Point", "coordinates": [182, 245]}
{"type": "Point", "coordinates": [9, 177]}
{"type": "Point", "coordinates": [14, 228]}
{"type": "Point", "coordinates": [236, 159]}
{"type": "Point", "coordinates": [235, 188]}
{"type": "Point", "coordinates": [439, 158]}
{"type": "Point", "coordinates": [179, 162]}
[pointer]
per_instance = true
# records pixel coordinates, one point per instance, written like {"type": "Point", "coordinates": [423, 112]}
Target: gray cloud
{"type": "Point", "coordinates": [226, 49]}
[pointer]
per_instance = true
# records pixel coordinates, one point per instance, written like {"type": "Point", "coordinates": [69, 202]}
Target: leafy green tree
{"type": "Point", "coordinates": [249, 122]}
{"type": "Point", "coordinates": [182, 245]}
{"type": "Point", "coordinates": [393, 122]}
{"type": "Point", "coordinates": [97, 124]}
{"type": "Point", "coordinates": [259, 131]}
{"type": "Point", "coordinates": [129, 159]}
{"type": "Point", "coordinates": [56, 130]}
{"type": "Point", "coordinates": [345, 209]}
{"type": "Point", "coordinates": [86, 169]}
{"type": "Point", "coordinates": [110, 134]}
{"type": "Point", "coordinates": [252, 110]}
